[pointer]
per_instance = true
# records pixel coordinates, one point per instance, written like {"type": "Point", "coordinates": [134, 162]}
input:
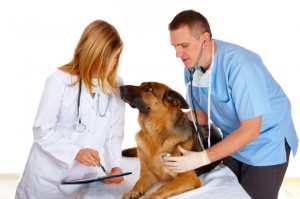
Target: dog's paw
{"type": "Point", "coordinates": [132, 195]}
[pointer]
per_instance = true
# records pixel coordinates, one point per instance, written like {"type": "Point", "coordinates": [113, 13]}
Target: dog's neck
{"type": "Point", "coordinates": [155, 124]}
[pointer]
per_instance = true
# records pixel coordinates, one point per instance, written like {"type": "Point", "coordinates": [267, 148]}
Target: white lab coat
{"type": "Point", "coordinates": [56, 143]}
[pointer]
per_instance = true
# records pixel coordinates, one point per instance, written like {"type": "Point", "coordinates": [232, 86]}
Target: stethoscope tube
{"type": "Point", "coordinates": [78, 99]}
{"type": "Point", "coordinates": [198, 135]}
{"type": "Point", "coordinates": [79, 127]}
{"type": "Point", "coordinates": [196, 123]}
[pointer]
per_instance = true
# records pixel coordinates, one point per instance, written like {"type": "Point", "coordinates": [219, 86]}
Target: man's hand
{"type": "Point", "coordinates": [88, 157]}
{"type": "Point", "coordinates": [190, 160]}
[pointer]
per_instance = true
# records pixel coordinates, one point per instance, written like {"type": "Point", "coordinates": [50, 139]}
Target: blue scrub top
{"type": "Point", "coordinates": [243, 88]}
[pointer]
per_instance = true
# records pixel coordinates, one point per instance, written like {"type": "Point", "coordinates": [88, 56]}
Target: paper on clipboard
{"type": "Point", "coordinates": [89, 179]}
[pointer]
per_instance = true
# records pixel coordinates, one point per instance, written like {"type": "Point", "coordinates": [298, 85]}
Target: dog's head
{"type": "Point", "coordinates": [152, 97]}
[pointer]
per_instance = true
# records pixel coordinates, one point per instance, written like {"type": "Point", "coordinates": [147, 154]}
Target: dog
{"type": "Point", "coordinates": [164, 126]}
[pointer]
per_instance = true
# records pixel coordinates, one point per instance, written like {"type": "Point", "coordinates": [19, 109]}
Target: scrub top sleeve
{"type": "Point", "coordinates": [249, 90]}
{"type": "Point", "coordinates": [52, 142]}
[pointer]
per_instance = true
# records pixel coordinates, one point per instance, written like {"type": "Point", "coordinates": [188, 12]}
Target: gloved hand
{"type": "Point", "coordinates": [190, 160]}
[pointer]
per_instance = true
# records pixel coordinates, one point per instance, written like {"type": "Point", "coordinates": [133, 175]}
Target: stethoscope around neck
{"type": "Point", "coordinates": [80, 127]}
{"type": "Point", "coordinates": [192, 102]}
{"type": "Point", "coordinates": [194, 116]}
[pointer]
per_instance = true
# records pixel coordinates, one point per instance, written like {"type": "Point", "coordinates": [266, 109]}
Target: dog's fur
{"type": "Point", "coordinates": [164, 126]}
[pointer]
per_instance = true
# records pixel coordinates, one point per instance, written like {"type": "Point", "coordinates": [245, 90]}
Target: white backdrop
{"type": "Point", "coordinates": [38, 36]}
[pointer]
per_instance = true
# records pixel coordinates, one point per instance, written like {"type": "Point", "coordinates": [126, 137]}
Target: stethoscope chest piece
{"type": "Point", "coordinates": [81, 127]}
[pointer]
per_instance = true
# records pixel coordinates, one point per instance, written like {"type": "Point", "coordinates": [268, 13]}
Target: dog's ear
{"type": "Point", "coordinates": [177, 99]}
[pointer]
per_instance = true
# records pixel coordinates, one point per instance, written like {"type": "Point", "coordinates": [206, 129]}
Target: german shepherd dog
{"type": "Point", "coordinates": [164, 126]}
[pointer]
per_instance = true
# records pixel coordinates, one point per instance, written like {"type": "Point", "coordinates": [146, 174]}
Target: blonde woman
{"type": "Point", "coordinates": [80, 119]}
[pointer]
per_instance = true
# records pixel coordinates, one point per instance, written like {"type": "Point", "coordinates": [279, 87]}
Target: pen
{"type": "Point", "coordinates": [103, 169]}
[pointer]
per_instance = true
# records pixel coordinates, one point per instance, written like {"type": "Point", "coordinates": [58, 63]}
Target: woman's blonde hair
{"type": "Point", "coordinates": [95, 52]}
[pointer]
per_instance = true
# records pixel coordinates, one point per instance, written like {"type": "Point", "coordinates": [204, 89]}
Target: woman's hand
{"type": "Point", "coordinates": [88, 157]}
{"type": "Point", "coordinates": [115, 170]}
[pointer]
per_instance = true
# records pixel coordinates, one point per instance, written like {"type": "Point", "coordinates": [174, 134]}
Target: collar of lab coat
{"type": "Point", "coordinates": [99, 102]}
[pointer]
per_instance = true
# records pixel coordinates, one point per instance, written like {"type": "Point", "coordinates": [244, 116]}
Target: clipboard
{"type": "Point", "coordinates": [94, 179]}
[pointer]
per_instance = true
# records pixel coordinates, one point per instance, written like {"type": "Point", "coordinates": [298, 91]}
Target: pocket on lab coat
{"type": "Point", "coordinates": [82, 139]}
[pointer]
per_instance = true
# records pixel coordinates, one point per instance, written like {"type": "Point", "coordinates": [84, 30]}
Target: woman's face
{"type": "Point", "coordinates": [112, 64]}
{"type": "Point", "coordinates": [110, 67]}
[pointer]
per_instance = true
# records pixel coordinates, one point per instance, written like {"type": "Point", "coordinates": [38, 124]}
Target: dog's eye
{"type": "Point", "coordinates": [148, 88]}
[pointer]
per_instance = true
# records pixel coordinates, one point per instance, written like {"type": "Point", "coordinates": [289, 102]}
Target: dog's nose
{"type": "Point", "coordinates": [123, 89]}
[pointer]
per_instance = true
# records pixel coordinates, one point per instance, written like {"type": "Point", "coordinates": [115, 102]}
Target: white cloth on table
{"type": "Point", "coordinates": [220, 183]}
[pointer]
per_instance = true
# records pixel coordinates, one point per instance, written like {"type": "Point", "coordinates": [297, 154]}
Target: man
{"type": "Point", "coordinates": [231, 86]}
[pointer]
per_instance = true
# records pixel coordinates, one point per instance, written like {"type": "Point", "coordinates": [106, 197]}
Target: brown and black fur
{"type": "Point", "coordinates": [164, 126]}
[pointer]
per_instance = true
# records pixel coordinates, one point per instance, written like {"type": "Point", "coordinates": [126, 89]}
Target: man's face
{"type": "Point", "coordinates": [186, 45]}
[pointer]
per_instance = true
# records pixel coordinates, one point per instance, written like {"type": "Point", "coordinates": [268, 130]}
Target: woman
{"type": "Point", "coordinates": [80, 119]}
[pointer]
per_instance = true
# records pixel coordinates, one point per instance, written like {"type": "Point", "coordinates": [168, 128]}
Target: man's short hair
{"type": "Point", "coordinates": [196, 22]}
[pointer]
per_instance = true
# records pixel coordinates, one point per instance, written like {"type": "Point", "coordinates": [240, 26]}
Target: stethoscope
{"type": "Point", "coordinates": [194, 116]}
{"type": "Point", "coordinates": [80, 126]}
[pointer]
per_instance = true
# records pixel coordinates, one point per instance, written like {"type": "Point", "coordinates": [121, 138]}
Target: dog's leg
{"type": "Point", "coordinates": [147, 180]}
{"type": "Point", "coordinates": [183, 182]}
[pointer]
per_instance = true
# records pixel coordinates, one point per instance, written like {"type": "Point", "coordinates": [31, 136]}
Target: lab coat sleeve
{"type": "Point", "coordinates": [113, 146]}
{"type": "Point", "coordinates": [52, 142]}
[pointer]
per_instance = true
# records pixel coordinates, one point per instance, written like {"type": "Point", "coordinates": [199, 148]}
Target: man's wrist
{"type": "Point", "coordinates": [204, 158]}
